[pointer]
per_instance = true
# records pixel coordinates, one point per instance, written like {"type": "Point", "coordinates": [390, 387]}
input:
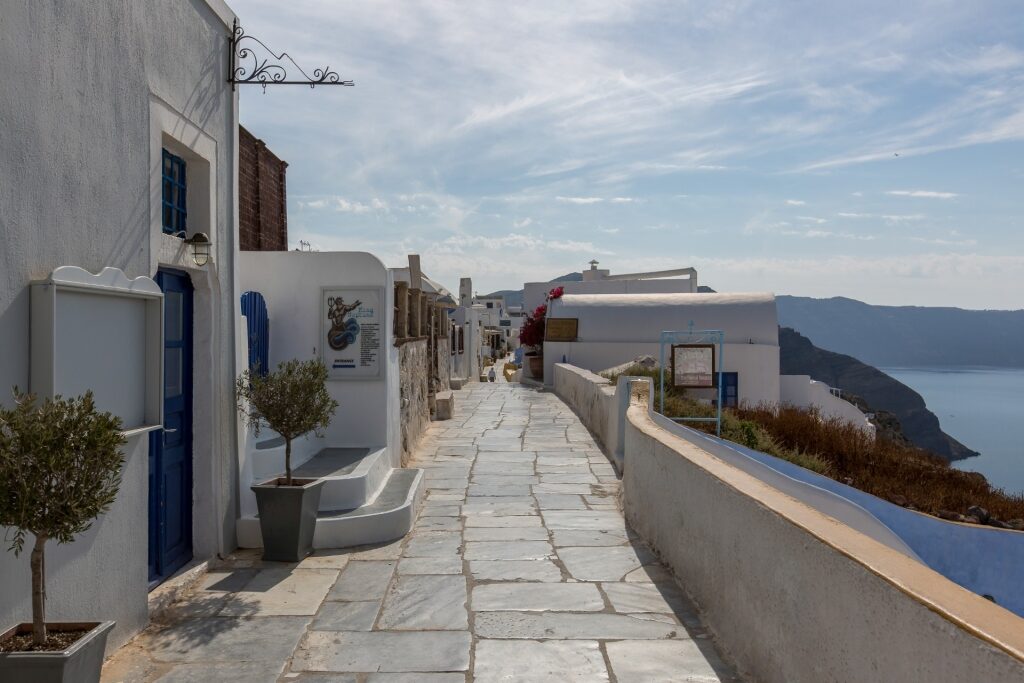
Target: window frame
{"type": "Point", "coordinates": [173, 170]}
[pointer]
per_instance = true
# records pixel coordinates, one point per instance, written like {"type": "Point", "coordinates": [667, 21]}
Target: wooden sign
{"type": "Point", "coordinates": [561, 329]}
{"type": "Point", "coordinates": [693, 366]}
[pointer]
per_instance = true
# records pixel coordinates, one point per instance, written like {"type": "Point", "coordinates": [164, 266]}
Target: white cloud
{"type": "Point", "coordinates": [522, 223]}
{"type": "Point", "coordinates": [610, 231]}
{"type": "Point", "coordinates": [580, 200]}
{"type": "Point", "coordinates": [795, 202]}
{"type": "Point", "coordinates": [924, 194]}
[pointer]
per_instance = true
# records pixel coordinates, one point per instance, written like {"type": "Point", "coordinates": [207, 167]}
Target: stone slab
{"type": "Point", "coordinates": [383, 651]}
{"type": "Point", "coordinates": [228, 639]}
{"type": "Point", "coordinates": [281, 592]}
{"type": "Point", "coordinates": [529, 661]}
{"type": "Point", "coordinates": [514, 570]}
{"type": "Point", "coordinates": [508, 550]}
{"type": "Point", "coordinates": [603, 564]}
{"type": "Point", "coordinates": [537, 597]}
{"type": "Point", "coordinates": [563, 625]}
{"type": "Point", "coordinates": [361, 581]}
{"type": "Point", "coordinates": [425, 602]}
{"type": "Point", "coordinates": [346, 616]}
{"type": "Point", "coordinates": [661, 662]}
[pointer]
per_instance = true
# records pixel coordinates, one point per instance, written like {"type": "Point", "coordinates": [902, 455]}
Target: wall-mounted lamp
{"type": "Point", "coordinates": [200, 244]}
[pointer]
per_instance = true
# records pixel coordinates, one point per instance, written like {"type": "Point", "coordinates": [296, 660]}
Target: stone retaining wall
{"type": "Point", "coordinates": [413, 374]}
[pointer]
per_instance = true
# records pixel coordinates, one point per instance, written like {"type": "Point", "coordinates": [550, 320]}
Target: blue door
{"type": "Point", "coordinates": [730, 389]}
{"type": "Point", "coordinates": [170, 449]}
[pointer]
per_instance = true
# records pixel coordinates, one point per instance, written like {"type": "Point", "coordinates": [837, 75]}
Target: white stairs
{"type": "Point", "coordinates": [363, 499]}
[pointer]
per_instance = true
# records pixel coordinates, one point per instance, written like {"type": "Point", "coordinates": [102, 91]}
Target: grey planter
{"type": "Point", "coordinates": [288, 517]}
{"type": "Point", "coordinates": [80, 663]}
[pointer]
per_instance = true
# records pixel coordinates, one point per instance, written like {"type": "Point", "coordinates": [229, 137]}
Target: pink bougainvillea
{"type": "Point", "coordinates": [532, 333]}
{"type": "Point", "coordinates": [556, 293]}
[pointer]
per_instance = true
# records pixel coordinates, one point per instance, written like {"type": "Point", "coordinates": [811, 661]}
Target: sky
{"type": "Point", "coordinates": [873, 150]}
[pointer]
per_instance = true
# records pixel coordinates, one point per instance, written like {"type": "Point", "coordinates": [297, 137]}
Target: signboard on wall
{"type": "Point", "coordinates": [693, 366]}
{"type": "Point", "coordinates": [561, 329]}
{"type": "Point", "coordinates": [352, 332]}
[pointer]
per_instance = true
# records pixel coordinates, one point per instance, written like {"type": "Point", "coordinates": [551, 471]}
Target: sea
{"type": "Point", "coordinates": [982, 408]}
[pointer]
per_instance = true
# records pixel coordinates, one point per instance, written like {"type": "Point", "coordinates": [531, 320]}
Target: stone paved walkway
{"type": "Point", "coordinates": [520, 568]}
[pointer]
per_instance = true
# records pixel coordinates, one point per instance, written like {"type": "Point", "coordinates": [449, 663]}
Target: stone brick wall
{"type": "Point", "coordinates": [262, 199]}
{"type": "Point", "coordinates": [413, 371]}
{"type": "Point", "coordinates": [443, 371]}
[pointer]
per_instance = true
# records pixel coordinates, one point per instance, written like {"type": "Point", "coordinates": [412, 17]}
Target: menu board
{"type": "Point", "coordinates": [693, 365]}
{"type": "Point", "coordinates": [352, 322]}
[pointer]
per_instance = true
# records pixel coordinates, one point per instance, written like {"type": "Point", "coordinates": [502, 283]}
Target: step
{"type": "Point", "coordinates": [353, 475]}
{"type": "Point", "coordinates": [388, 516]}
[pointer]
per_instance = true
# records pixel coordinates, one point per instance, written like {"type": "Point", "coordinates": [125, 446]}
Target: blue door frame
{"type": "Point", "coordinates": [170, 449]}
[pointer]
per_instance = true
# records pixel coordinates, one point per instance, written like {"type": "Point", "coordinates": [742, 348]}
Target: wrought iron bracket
{"type": "Point", "coordinates": [251, 62]}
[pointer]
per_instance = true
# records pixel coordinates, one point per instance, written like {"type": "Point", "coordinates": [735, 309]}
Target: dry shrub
{"type": "Point", "coordinates": [909, 476]}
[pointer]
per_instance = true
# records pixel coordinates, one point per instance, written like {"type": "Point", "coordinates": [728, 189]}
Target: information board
{"type": "Point", "coordinates": [561, 329]}
{"type": "Point", "coordinates": [693, 366]}
{"type": "Point", "coordinates": [352, 339]}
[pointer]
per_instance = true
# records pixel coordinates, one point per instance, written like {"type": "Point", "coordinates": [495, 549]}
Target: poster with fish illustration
{"type": "Point", "coordinates": [351, 321]}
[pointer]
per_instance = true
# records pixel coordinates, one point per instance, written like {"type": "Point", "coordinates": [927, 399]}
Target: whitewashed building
{"type": "Point", "coordinates": [616, 328]}
{"type": "Point", "coordinates": [119, 147]}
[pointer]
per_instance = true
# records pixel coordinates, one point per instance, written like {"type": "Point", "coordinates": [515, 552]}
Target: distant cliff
{"type": "Point", "coordinates": [798, 356]}
{"type": "Point", "coordinates": [908, 336]}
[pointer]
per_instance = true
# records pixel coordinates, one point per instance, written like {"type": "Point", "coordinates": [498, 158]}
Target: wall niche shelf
{"type": "Point", "coordinates": [103, 332]}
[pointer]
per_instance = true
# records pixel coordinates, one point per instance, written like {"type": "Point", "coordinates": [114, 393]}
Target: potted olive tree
{"type": "Point", "coordinates": [60, 468]}
{"type": "Point", "coordinates": [292, 400]}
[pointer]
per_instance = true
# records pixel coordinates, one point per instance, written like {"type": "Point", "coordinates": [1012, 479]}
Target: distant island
{"type": "Point", "coordinates": [908, 336]}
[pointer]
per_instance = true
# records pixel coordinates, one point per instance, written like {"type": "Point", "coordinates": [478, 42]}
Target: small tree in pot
{"type": "Point", "coordinates": [292, 400]}
{"type": "Point", "coordinates": [60, 468]}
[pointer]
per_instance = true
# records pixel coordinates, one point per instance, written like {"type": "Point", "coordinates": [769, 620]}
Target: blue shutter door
{"type": "Point", "coordinates": [254, 308]}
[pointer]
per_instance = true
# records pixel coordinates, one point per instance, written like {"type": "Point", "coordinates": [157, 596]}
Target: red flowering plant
{"type": "Point", "coordinates": [532, 332]}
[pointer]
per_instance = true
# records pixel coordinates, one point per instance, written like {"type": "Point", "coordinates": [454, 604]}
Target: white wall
{"type": "Point", "coordinates": [534, 292]}
{"type": "Point", "coordinates": [757, 364]}
{"type": "Point", "coordinates": [100, 86]}
{"type": "Point", "coordinates": [291, 283]}
{"type": "Point", "coordinates": [804, 599]}
{"type": "Point", "coordinates": [803, 392]}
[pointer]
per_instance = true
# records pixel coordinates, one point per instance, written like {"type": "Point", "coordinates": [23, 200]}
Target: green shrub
{"type": "Point", "coordinates": [292, 400]}
{"type": "Point", "coordinates": [60, 468]}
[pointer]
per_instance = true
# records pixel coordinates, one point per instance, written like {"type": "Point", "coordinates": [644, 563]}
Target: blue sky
{"type": "Point", "coordinates": [871, 149]}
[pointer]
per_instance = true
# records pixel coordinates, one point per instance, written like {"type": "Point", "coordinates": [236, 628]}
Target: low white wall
{"type": "Point", "coordinates": [791, 594]}
{"type": "Point", "coordinates": [803, 392]}
{"type": "Point", "coordinates": [756, 364]}
{"type": "Point", "coordinates": [592, 397]}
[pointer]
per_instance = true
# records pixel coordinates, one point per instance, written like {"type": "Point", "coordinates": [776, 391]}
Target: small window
{"type": "Point", "coordinates": [175, 204]}
{"type": "Point", "coordinates": [490, 304]}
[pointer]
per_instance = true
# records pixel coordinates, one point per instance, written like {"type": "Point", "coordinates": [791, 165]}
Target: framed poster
{"type": "Point", "coordinates": [561, 329]}
{"type": "Point", "coordinates": [352, 332]}
{"type": "Point", "coordinates": [693, 366]}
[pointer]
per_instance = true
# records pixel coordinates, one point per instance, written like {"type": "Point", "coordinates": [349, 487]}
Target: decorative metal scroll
{"type": "Point", "coordinates": [251, 62]}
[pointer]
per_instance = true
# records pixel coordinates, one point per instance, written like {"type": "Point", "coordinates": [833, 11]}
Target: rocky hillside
{"type": "Point", "coordinates": [907, 336]}
{"type": "Point", "coordinates": [879, 391]}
